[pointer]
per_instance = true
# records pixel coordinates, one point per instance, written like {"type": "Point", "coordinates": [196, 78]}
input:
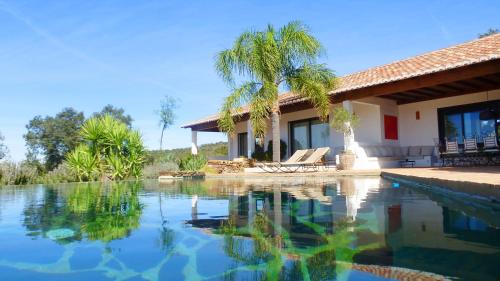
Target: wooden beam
{"type": "Point", "coordinates": [456, 93]}
{"type": "Point", "coordinates": [423, 81]}
{"type": "Point", "coordinates": [488, 81]}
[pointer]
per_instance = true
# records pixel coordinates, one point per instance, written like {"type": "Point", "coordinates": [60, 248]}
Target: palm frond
{"type": "Point", "coordinates": [313, 81]}
{"type": "Point", "coordinates": [261, 105]}
{"type": "Point", "coordinates": [232, 104]}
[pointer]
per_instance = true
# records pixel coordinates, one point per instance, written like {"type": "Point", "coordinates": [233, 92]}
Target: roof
{"type": "Point", "coordinates": [472, 52]}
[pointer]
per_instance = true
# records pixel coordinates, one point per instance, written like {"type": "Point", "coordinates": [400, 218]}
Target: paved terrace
{"type": "Point", "coordinates": [479, 181]}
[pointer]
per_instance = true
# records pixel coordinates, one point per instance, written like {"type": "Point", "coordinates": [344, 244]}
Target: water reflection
{"type": "Point", "coordinates": [246, 229]}
{"type": "Point", "coordinates": [94, 211]}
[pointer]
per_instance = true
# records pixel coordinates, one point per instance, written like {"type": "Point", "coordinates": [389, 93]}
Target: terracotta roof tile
{"type": "Point", "coordinates": [479, 50]}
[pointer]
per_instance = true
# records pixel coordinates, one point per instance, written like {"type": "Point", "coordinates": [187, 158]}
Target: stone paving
{"type": "Point", "coordinates": [479, 182]}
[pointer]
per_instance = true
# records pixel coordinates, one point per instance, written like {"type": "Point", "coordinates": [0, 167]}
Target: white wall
{"type": "Point", "coordinates": [371, 130]}
{"type": "Point", "coordinates": [425, 130]}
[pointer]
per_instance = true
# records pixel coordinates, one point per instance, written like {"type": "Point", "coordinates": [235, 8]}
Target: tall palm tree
{"type": "Point", "coordinates": [270, 60]}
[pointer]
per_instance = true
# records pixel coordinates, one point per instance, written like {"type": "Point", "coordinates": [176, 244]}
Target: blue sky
{"type": "Point", "coordinates": [86, 54]}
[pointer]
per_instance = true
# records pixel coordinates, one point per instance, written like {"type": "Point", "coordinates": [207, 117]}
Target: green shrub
{"type": "Point", "coordinates": [261, 155]}
{"type": "Point", "coordinates": [152, 171]}
{"type": "Point", "coordinates": [61, 174]}
{"type": "Point", "coordinates": [193, 163]}
{"type": "Point", "coordinates": [12, 173]}
{"type": "Point", "coordinates": [109, 149]}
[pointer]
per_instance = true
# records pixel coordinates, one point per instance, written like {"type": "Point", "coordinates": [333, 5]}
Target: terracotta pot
{"type": "Point", "coordinates": [346, 160]}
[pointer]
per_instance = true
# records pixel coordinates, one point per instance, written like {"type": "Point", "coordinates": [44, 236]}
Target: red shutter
{"type": "Point", "coordinates": [391, 127]}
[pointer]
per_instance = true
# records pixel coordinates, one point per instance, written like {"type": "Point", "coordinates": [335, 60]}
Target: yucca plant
{"type": "Point", "coordinates": [109, 148]}
{"type": "Point", "coordinates": [193, 163]}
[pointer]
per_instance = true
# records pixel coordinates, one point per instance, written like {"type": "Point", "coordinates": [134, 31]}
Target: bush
{"type": "Point", "coordinates": [260, 155]}
{"type": "Point", "coordinates": [152, 171]}
{"type": "Point", "coordinates": [12, 173]}
{"type": "Point", "coordinates": [193, 163]}
{"type": "Point", "coordinates": [109, 149]}
{"type": "Point", "coordinates": [61, 174]}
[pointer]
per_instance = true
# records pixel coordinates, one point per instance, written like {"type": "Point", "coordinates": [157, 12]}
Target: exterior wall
{"type": "Point", "coordinates": [411, 132]}
{"type": "Point", "coordinates": [425, 130]}
{"type": "Point", "coordinates": [336, 139]}
{"type": "Point", "coordinates": [386, 107]}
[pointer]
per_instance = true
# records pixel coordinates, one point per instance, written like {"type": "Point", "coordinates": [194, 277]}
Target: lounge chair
{"type": "Point", "coordinates": [490, 144]}
{"type": "Point", "coordinates": [491, 149]}
{"type": "Point", "coordinates": [292, 161]}
{"type": "Point", "coordinates": [451, 151]}
{"type": "Point", "coordinates": [314, 161]}
{"type": "Point", "coordinates": [470, 145]}
{"type": "Point", "coordinates": [451, 147]}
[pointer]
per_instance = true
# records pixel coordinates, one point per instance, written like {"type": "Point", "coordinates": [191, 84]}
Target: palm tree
{"type": "Point", "coordinates": [270, 60]}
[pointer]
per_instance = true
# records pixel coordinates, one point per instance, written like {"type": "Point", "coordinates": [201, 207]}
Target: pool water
{"type": "Point", "coordinates": [251, 229]}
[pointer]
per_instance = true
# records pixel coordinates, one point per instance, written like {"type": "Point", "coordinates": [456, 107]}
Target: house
{"type": "Point", "coordinates": [405, 108]}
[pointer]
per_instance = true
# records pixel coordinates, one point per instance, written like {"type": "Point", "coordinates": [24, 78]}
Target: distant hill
{"type": "Point", "coordinates": [209, 150]}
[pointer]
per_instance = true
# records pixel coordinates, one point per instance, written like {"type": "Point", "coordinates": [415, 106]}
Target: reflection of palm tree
{"type": "Point", "coordinates": [320, 262]}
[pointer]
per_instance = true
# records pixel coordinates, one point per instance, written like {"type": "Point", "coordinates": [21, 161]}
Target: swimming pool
{"type": "Point", "coordinates": [245, 229]}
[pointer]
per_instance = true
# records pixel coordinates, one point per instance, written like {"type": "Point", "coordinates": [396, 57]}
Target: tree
{"type": "Point", "coordinates": [489, 32]}
{"type": "Point", "coordinates": [167, 116]}
{"type": "Point", "coordinates": [53, 137]}
{"type": "Point", "coordinates": [271, 59]}
{"type": "Point", "coordinates": [3, 147]}
{"type": "Point", "coordinates": [115, 112]}
{"type": "Point", "coordinates": [108, 149]}
{"type": "Point", "coordinates": [344, 122]}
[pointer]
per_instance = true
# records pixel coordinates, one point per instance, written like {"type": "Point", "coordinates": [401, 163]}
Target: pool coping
{"type": "Point", "coordinates": [360, 173]}
{"type": "Point", "coordinates": [475, 190]}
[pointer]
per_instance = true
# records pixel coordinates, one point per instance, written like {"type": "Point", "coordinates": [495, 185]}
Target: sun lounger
{"type": "Point", "coordinates": [293, 160]}
{"type": "Point", "coordinates": [314, 161]}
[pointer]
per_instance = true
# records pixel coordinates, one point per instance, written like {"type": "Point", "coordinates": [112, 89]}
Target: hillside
{"type": "Point", "coordinates": [210, 150]}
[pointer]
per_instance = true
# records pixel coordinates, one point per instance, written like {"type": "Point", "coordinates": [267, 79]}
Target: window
{"type": "Point", "coordinates": [459, 122]}
{"type": "Point", "coordinates": [311, 133]}
{"type": "Point", "coordinates": [242, 144]}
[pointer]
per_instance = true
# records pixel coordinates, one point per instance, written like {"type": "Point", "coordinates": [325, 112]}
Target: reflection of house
{"type": "Point", "coordinates": [408, 103]}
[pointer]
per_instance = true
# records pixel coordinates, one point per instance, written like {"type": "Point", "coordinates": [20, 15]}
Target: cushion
{"type": "Point", "coordinates": [385, 151]}
{"type": "Point", "coordinates": [396, 151]}
{"type": "Point", "coordinates": [414, 151]}
{"type": "Point", "coordinates": [369, 151]}
{"type": "Point", "coordinates": [427, 150]}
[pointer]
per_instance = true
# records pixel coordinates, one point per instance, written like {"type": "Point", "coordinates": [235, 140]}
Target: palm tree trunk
{"type": "Point", "coordinates": [275, 123]}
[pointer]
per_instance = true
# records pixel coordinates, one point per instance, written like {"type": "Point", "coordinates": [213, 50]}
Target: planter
{"type": "Point", "coordinates": [346, 160]}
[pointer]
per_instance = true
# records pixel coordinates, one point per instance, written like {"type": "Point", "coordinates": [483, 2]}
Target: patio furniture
{"type": "Point", "coordinates": [290, 163]}
{"type": "Point", "coordinates": [471, 156]}
{"type": "Point", "coordinates": [491, 149]}
{"type": "Point", "coordinates": [470, 145]}
{"type": "Point", "coordinates": [407, 163]}
{"type": "Point", "coordinates": [490, 144]}
{"type": "Point", "coordinates": [314, 161]}
{"type": "Point", "coordinates": [451, 152]}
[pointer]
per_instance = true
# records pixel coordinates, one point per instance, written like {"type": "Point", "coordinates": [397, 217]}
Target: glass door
{"type": "Point", "coordinates": [242, 144]}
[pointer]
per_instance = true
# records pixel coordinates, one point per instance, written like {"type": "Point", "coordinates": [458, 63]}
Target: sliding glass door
{"type": "Point", "coordinates": [242, 144]}
{"type": "Point", "coordinates": [459, 122]}
{"type": "Point", "coordinates": [310, 133]}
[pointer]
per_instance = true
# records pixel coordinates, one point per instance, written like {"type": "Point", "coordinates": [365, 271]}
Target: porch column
{"type": "Point", "coordinates": [194, 142]}
{"type": "Point", "coordinates": [348, 138]}
{"type": "Point", "coordinates": [250, 140]}
{"type": "Point", "coordinates": [229, 144]}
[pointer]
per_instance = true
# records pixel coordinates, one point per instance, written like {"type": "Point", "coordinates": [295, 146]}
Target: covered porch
{"type": "Point", "coordinates": [406, 110]}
